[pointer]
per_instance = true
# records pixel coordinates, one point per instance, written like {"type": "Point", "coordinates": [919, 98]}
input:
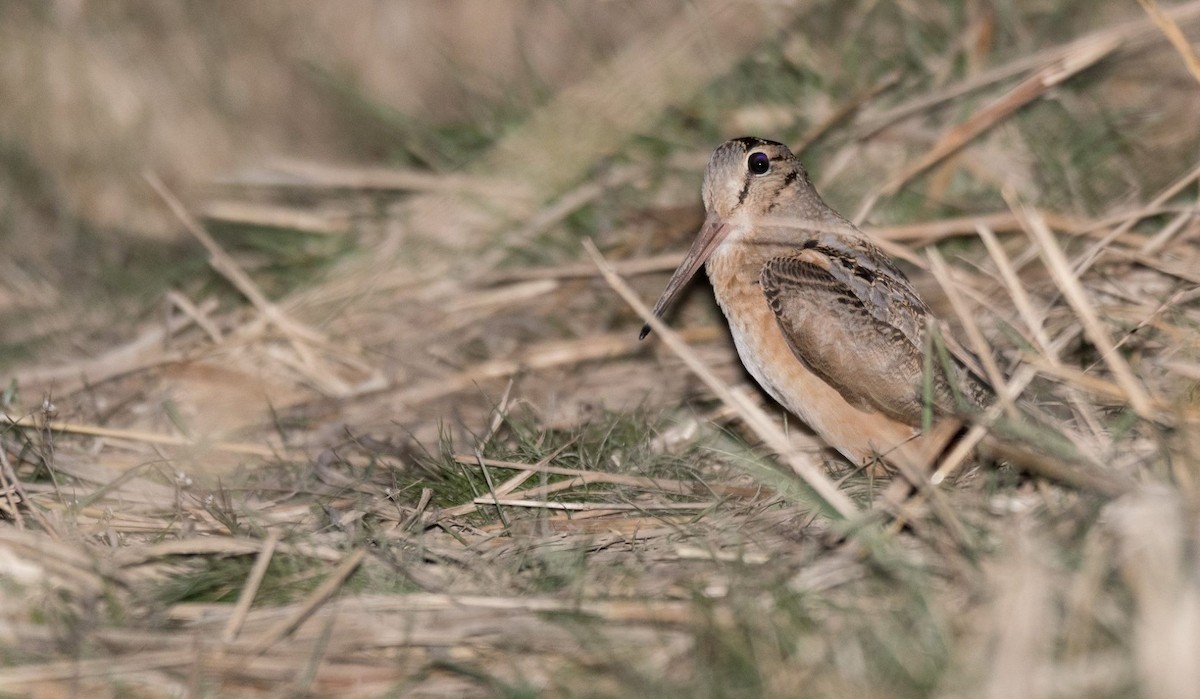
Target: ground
{"type": "Point", "coordinates": [311, 387]}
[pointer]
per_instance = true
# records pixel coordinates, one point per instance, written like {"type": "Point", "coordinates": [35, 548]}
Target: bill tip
{"type": "Point", "coordinates": [645, 331]}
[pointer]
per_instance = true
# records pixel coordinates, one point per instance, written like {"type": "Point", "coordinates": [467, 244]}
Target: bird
{"type": "Point", "coordinates": [821, 317]}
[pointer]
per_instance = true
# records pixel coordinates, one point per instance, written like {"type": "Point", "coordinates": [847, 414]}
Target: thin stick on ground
{"type": "Point", "coordinates": [644, 482]}
{"type": "Point", "coordinates": [1174, 34]}
{"type": "Point", "coordinates": [216, 546]}
{"type": "Point", "coordinates": [591, 506]}
{"type": "Point", "coordinates": [927, 232]}
{"type": "Point", "coordinates": [751, 414]}
{"type": "Point", "coordinates": [319, 596]}
{"type": "Point", "coordinates": [76, 669]}
{"type": "Point", "coordinates": [140, 436]}
{"type": "Point", "coordinates": [257, 573]}
{"type": "Point", "coordinates": [197, 314]}
{"type": "Point", "coordinates": [1016, 290]}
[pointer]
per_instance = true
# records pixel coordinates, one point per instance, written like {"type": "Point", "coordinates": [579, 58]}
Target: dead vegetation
{"type": "Point", "coordinates": [402, 440]}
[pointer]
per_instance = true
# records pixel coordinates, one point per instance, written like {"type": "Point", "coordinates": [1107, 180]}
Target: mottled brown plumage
{"type": "Point", "coordinates": [821, 317]}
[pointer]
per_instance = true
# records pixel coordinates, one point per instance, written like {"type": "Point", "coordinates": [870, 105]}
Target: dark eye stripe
{"type": "Point", "coordinates": [745, 190]}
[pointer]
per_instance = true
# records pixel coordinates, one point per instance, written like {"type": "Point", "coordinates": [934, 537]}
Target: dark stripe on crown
{"type": "Point", "coordinates": [755, 142]}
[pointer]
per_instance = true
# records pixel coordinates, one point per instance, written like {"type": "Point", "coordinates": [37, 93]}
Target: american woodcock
{"type": "Point", "coordinates": [820, 316]}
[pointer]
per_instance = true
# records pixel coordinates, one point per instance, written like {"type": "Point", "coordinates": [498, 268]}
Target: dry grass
{"type": "Point", "coordinates": [400, 439]}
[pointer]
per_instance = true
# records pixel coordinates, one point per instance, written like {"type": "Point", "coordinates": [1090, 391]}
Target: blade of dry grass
{"type": "Point", "coordinates": [37, 423]}
{"type": "Point", "coordinates": [15, 678]}
{"type": "Point", "coordinates": [1094, 385]}
{"type": "Point", "coordinates": [926, 232]}
{"type": "Point", "coordinates": [536, 492]}
{"type": "Point", "coordinates": [282, 218]}
{"type": "Point", "coordinates": [1155, 244]}
{"type": "Point", "coordinates": [487, 479]}
{"type": "Point", "coordinates": [1016, 291]}
{"type": "Point", "coordinates": [593, 506]}
{"type": "Point", "coordinates": [1170, 28]}
{"type": "Point", "coordinates": [665, 485]}
{"type": "Point", "coordinates": [526, 471]}
{"type": "Point", "coordinates": [299, 174]}
{"type": "Point", "coordinates": [197, 314]}
{"type": "Point", "coordinates": [1182, 270]}
{"type": "Point", "coordinates": [635, 266]}
{"type": "Point", "coordinates": [250, 589]}
{"type": "Point", "coordinates": [492, 299]}
{"type": "Point", "coordinates": [570, 202]}
{"type": "Point", "coordinates": [216, 546]}
{"type": "Point", "coordinates": [1183, 297]}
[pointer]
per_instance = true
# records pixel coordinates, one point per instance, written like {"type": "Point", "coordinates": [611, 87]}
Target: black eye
{"type": "Point", "coordinates": [759, 163]}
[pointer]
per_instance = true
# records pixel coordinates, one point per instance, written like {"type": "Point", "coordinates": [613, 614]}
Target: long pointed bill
{"type": "Point", "coordinates": [711, 234]}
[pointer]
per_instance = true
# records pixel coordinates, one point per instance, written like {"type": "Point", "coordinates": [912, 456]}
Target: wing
{"type": "Point", "coordinates": [886, 294]}
{"type": "Point", "coordinates": [865, 337]}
